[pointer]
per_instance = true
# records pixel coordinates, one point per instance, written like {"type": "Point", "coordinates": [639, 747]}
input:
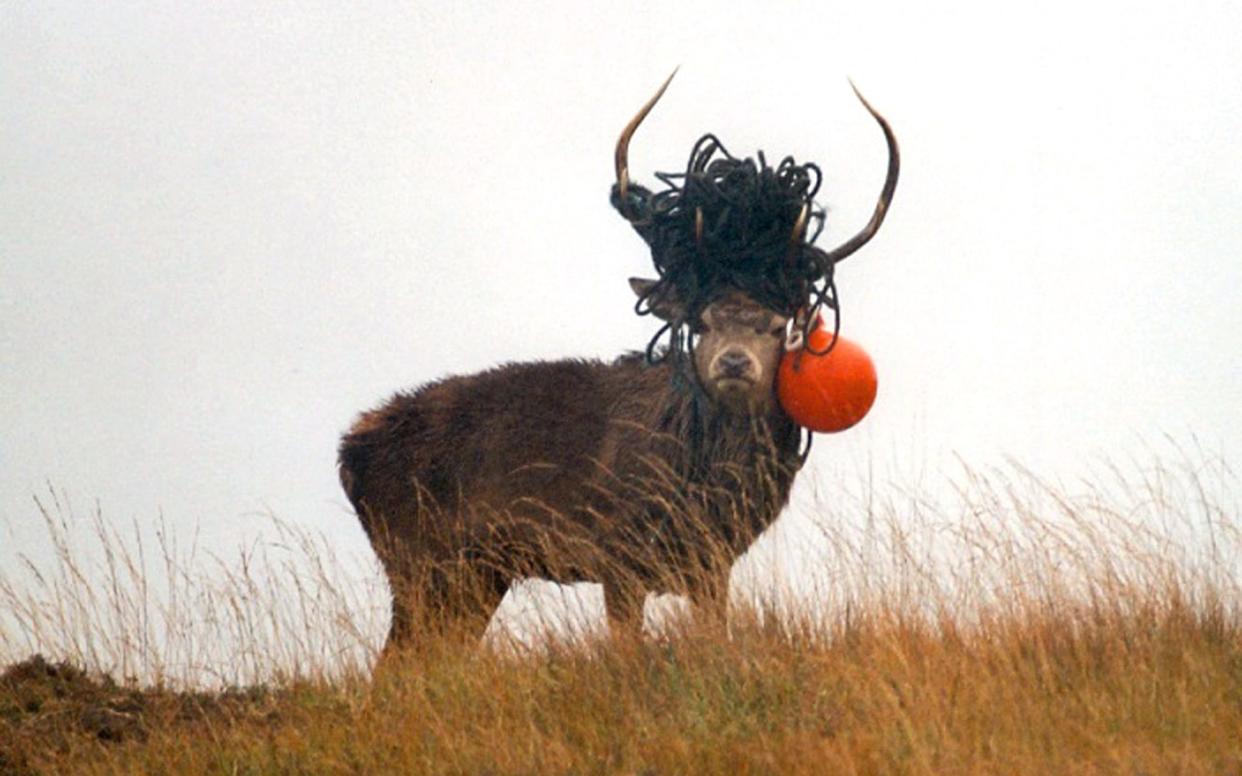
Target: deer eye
{"type": "Point", "coordinates": [699, 327]}
{"type": "Point", "coordinates": [779, 331]}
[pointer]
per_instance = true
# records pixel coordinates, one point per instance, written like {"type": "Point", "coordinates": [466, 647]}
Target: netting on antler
{"type": "Point", "coordinates": [728, 223]}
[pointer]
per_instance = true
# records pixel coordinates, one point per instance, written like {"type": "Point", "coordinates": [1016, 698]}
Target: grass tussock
{"type": "Point", "coordinates": [1017, 629]}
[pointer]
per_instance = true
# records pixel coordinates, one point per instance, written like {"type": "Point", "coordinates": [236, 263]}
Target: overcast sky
{"type": "Point", "coordinates": [227, 228]}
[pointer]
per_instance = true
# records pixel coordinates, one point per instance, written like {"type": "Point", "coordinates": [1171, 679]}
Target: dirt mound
{"type": "Point", "coordinates": [46, 707]}
{"type": "Point", "coordinates": [46, 696]}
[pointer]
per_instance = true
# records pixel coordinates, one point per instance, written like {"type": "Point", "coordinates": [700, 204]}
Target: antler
{"type": "Point", "coordinates": [798, 233]}
{"type": "Point", "coordinates": [623, 143]}
{"type": "Point", "coordinates": [886, 194]}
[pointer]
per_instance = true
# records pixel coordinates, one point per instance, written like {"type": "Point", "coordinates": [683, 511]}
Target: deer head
{"type": "Point", "coordinates": [735, 256]}
{"type": "Point", "coordinates": [736, 344]}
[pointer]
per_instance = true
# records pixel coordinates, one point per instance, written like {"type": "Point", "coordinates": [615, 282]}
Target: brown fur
{"type": "Point", "coordinates": [624, 473]}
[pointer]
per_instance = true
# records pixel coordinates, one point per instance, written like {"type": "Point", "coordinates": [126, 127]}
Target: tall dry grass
{"type": "Point", "coordinates": [1000, 622]}
{"type": "Point", "coordinates": [148, 605]}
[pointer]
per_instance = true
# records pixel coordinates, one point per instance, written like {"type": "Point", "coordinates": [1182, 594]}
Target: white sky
{"type": "Point", "coordinates": [224, 231]}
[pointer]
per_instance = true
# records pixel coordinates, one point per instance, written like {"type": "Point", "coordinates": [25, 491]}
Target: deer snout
{"type": "Point", "coordinates": [735, 364]}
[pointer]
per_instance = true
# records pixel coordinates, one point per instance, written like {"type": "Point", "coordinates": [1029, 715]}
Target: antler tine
{"type": "Point", "coordinates": [799, 230]}
{"type": "Point", "coordinates": [886, 194]}
{"type": "Point", "coordinates": [623, 143]}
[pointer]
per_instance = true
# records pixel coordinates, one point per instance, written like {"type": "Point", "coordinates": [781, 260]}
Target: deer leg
{"type": "Point", "coordinates": [439, 604]}
{"type": "Point", "coordinates": [477, 601]}
{"type": "Point", "coordinates": [401, 628]}
{"type": "Point", "coordinates": [460, 601]}
{"type": "Point", "coordinates": [402, 625]}
{"type": "Point", "coordinates": [710, 598]}
{"type": "Point", "coordinates": [624, 606]}
{"type": "Point", "coordinates": [400, 585]}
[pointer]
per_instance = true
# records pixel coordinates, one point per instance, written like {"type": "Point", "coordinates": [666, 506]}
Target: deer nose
{"type": "Point", "coordinates": [734, 363]}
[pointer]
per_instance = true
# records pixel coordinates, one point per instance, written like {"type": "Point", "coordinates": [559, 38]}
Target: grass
{"type": "Point", "coordinates": [1019, 626]}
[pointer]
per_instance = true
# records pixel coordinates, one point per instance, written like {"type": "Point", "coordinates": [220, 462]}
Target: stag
{"type": "Point", "coordinates": [649, 473]}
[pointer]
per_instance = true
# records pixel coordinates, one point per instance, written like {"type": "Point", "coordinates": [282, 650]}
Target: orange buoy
{"type": "Point", "coordinates": [826, 393]}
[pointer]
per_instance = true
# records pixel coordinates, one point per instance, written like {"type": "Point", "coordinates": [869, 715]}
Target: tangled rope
{"type": "Point", "coordinates": [726, 223]}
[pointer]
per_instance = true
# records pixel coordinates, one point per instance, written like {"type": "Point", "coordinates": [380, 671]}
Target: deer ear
{"type": "Point", "coordinates": [665, 305]}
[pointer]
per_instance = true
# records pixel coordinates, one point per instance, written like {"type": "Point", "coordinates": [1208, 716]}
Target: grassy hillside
{"type": "Point", "coordinates": [1067, 634]}
{"type": "Point", "coordinates": [1153, 691]}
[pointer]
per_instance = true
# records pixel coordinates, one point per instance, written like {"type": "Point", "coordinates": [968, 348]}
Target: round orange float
{"type": "Point", "coordinates": [830, 392]}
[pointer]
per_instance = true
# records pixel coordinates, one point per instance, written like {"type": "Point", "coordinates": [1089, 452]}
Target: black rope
{"type": "Point", "coordinates": [805, 453]}
{"type": "Point", "coordinates": [748, 212]}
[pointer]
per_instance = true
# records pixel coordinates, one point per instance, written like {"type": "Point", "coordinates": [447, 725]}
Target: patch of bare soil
{"type": "Point", "coordinates": [50, 708]}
